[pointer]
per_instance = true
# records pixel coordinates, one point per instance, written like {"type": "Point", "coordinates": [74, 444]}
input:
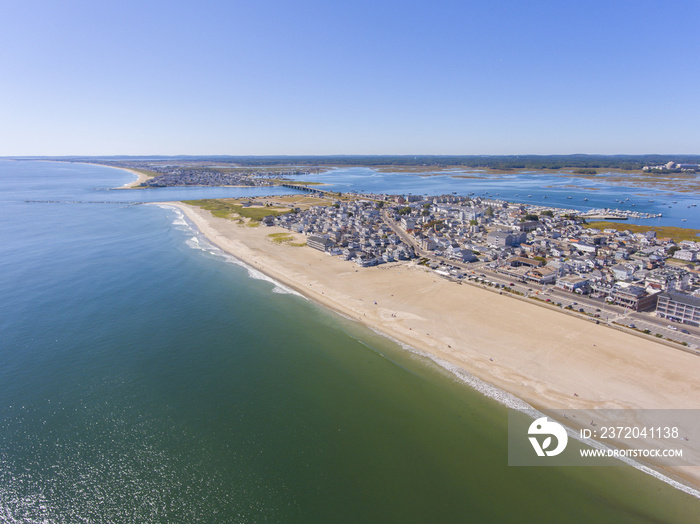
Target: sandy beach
{"type": "Point", "coordinates": [140, 178]}
{"type": "Point", "coordinates": [546, 358]}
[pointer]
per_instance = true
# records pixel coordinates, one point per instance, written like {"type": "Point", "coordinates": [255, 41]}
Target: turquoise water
{"type": "Point", "coordinates": [146, 378]}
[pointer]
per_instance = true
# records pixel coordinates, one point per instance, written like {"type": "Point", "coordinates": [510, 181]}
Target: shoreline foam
{"type": "Point", "coordinates": [527, 392]}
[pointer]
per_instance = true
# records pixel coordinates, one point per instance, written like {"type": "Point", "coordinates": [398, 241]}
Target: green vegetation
{"type": "Point", "coordinates": [436, 224]}
{"type": "Point", "coordinates": [505, 162]}
{"type": "Point", "coordinates": [284, 238]}
{"type": "Point", "coordinates": [226, 208]}
{"type": "Point", "coordinates": [547, 213]}
{"type": "Point", "coordinates": [674, 233]}
{"type": "Point", "coordinates": [531, 217]}
{"type": "Point", "coordinates": [218, 208]}
{"type": "Point", "coordinates": [146, 172]}
{"type": "Point", "coordinates": [585, 171]}
{"type": "Point", "coordinates": [280, 238]}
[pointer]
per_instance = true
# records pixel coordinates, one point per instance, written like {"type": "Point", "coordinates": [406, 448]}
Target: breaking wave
{"type": "Point", "coordinates": [200, 242]}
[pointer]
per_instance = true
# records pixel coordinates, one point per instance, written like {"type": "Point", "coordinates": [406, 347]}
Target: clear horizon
{"type": "Point", "coordinates": [345, 155]}
{"type": "Point", "coordinates": [310, 78]}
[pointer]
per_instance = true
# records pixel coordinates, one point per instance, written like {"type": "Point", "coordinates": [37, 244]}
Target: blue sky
{"type": "Point", "coordinates": [361, 77]}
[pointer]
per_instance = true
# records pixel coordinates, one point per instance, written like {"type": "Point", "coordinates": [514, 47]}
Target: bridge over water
{"type": "Point", "coordinates": [308, 189]}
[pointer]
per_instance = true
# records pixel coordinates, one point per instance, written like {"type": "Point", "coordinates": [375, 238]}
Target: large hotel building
{"type": "Point", "coordinates": [680, 308]}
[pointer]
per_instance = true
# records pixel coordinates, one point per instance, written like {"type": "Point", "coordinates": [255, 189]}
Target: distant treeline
{"type": "Point", "coordinates": [622, 162]}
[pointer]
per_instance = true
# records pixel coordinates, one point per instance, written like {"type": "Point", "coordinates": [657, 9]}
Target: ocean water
{"type": "Point", "coordinates": [146, 377]}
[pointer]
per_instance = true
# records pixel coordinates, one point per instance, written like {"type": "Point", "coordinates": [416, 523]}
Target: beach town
{"type": "Point", "coordinates": [549, 254]}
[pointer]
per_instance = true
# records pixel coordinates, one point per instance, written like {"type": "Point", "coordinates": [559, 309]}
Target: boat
{"type": "Point", "coordinates": [585, 200]}
{"type": "Point", "coordinates": [569, 197]}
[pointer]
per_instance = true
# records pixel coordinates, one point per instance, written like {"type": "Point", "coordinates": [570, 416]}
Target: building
{"type": "Point", "coordinates": [679, 307]}
{"type": "Point", "coordinates": [500, 238]}
{"type": "Point", "coordinates": [685, 254]}
{"type": "Point", "coordinates": [632, 297]}
{"type": "Point", "coordinates": [322, 243]}
{"type": "Point", "coordinates": [541, 275]}
{"type": "Point", "coordinates": [573, 284]}
{"type": "Point", "coordinates": [462, 255]}
{"type": "Point", "coordinates": [522, 261]}
{"type": "Point", "coordinates": [584, 247]}
{"type": "Point", "coordinates": [622, 272]}
{"type": "Point", "coordinates": [408, 223]}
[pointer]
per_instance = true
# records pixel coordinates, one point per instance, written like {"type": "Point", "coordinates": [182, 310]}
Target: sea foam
{"type": "Point", "coordinates": [200, 242]}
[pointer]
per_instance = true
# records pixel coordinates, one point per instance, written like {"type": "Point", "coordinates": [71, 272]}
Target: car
{"type": "Point", "coordinates": [685, 331]}
{"type": "Point", "coordinates": [633, 326]}
{"type": "Point", "coordinates": [597, 310]}
{"type": "Point", "coordinates": [574, 303]}
{"type": "Point", "coordinates": [511, 284]}
{"type": "Point", "coordinates": [674, 328]}
{"type": "Point", "coordinates": [581, 310]}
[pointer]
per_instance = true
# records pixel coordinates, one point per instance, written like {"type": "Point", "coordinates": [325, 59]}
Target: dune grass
{"type": "Point", "coordinates": [228, 208]}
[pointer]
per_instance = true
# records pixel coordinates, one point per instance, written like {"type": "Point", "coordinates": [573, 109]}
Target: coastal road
{"type": "Point", "coordinates": [405, 237]}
